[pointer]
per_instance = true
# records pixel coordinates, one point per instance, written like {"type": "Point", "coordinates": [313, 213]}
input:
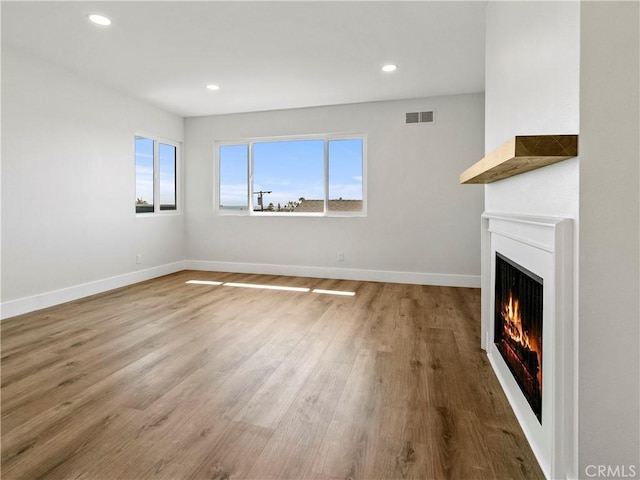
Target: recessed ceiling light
{"type": "Point", "coordinates": [389, 68]}
{"type": "Point", "coordinates": [211, 86]}
{"type": "Point", "coordinates": [99, 19]}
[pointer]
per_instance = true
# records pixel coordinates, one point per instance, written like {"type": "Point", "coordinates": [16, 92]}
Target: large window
{"type": "Point", "coordinates": [298, 176]}
{"type": "Point", "coordinates": [156, 175]}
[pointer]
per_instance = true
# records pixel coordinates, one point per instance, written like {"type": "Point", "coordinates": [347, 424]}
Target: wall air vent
{"type": "Point", "coordinates": [426, 117]}
{"type": "Point", "coordinates": [420, 117]}
{"type": "Point", "coordinates": [413, 117]}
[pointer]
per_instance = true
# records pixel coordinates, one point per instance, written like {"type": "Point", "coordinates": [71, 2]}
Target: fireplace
{"type": "Point", "coordinates": [518, 327]}
{"type": "Point", "coordinates": [528, 330]}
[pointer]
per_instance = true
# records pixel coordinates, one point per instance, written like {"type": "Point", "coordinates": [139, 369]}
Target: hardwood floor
{"type": "Point", "coordinates": [169, 380]}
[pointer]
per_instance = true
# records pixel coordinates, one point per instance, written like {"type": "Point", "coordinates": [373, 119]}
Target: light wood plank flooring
{"type": "Point", "coordinates": [169, 380]}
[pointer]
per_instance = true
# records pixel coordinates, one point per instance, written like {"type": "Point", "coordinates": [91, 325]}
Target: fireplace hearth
{"type": "Point", "coordinates": [518, 327]}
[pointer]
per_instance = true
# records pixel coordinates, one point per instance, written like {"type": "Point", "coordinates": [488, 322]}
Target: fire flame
{"type": "Point", "coordinates": [513, 322]}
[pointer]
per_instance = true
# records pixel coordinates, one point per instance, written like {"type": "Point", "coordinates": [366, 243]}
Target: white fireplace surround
{"type": "Point", "coordinates": [542, 245]}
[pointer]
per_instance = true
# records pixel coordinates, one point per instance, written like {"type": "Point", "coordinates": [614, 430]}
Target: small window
{"type": "Point", "coordinates": [319, 175]}
{"type": "Point", "coordinates": [156, 175]}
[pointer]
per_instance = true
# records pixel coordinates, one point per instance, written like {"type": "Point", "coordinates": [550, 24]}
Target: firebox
{"type": "Point", "coordinates": [518, 327]}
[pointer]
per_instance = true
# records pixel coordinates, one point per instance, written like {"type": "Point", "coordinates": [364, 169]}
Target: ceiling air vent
{"type": "Point", "coordinates": [419, 117]}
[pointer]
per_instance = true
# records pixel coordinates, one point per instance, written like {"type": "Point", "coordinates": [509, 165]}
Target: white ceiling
{"type": "Point", "coordinates": [263, 55]}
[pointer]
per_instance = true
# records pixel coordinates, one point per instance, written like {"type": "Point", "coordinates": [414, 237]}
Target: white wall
{"type": "Point", "coordinates": [532, 87]}
{"type": "Point", "coordinates": [422, 226]}
{"type": "Point", "coordinates": [68, 188]}
{"type": "Point", "coordinates": [609, 237]}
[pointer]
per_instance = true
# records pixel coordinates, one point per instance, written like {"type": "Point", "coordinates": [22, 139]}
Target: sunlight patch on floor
{"type": "Point", "coordinates": [274, 287]}
{"type": "Point", "coordinates": [333, 292]}
{"type": "Point", "coordinates": [266, 287]}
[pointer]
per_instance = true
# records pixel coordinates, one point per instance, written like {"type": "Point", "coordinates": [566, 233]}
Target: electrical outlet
{"type": "Point", "coordinates": [139, 258]}
{"type": "Point", "coordinates": [341, 256]}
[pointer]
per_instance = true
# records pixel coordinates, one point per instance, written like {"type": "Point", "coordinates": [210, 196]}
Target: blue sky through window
{"type": "Point", "coordinates": [234, 174]}
{"type": "Point", "coordinates": [167, 163]}
{"type": "Point", "coordinates": [290, 170]}
{"type": "Point", "coordinates": [144, 170]}
{"type": "Point", "coordinates": [345, 169]}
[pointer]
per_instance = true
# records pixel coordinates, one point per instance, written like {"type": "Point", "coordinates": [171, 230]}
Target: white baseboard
{"type": "Point", "coordinates": [56, 297]}
{"type": "Point", "coordinates": [417, 278]}
{"type": "Point", "coordinates": [48, 299]}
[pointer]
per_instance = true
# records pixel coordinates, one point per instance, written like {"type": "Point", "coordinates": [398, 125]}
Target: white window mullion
{"type": "Point", "coordinates": [326, 176]}
{"type": "Point", "coordinates": [250, 186]}
{"type": "Point", "coordinates": [156, 176]}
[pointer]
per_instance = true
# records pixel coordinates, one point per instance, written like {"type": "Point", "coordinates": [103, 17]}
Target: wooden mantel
{"type": "Point", "coordinates": [522, 153]}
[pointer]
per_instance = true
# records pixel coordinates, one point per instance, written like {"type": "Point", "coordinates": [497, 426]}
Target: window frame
{"type": "Point", "coordinates": [156, 175]}
{"type": "Point", "coordinates": [249, 142]}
